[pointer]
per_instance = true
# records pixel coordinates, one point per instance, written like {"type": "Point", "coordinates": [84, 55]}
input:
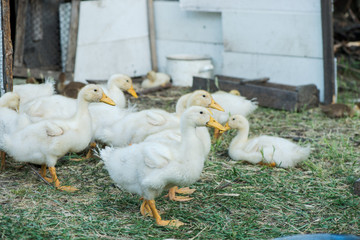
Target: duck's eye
{"type": "Point", "coordinates": [95, 90]}
{"type": "Point", "coordinates": [127, 80]}
{"type": "Point", "coordinates": [201, 112]}
{"type": "Point", "coordinates": [233, 119]}
{"type": "Point", "coordinates": [204, 95]}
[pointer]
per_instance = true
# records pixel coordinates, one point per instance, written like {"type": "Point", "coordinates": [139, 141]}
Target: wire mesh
{"type": "Point", "coordinates": [46, 40]}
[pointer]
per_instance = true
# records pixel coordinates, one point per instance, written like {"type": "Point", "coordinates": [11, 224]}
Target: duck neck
{"type": "Point", "coordinates": [241, 137]}
{"type": "Point", "coordinates": [190, 140]}
{"type": "Point", "coordinates": [116, 94]}
{"type": "Point", "coordinates": [82, 109]}
{"type": "Point", "coordinates": [181, 104]}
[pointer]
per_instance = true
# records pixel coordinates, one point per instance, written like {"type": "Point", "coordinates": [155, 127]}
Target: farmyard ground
{"type": "Point", "coordinates": [234, 200]}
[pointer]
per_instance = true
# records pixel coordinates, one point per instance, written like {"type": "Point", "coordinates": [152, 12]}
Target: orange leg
{"type": "Point", "coordinates": [159, 221]}
{"type": "Point", "coordinates": [145, 209]}
{"type": "Point", "coordinates": [90, 152]}
{"type": "Point", "coordinates": [3, 157]}
{"type": "Point", "coordinates": [172, 194]}
{"type": "Point", "coordinates": [57, 182]}
{"type": "Point", "coordinates": [216, 134]}
{"type": "Point", "coordinates": [43, 173]}
{"type": "Point", "coordinates": [272, 164]}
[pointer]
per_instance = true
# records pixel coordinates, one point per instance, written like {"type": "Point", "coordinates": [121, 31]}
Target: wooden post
{"type": "Point", "coordinates": [73, 33]}
{"type": "Point", "coordinates": [153, 54]}
{"type": "Point", "coordinates": [8, 48]}
{"type": "Point", "coordinates": [20, 33]}
{"type": "Point", "coordinates": [328, 52]}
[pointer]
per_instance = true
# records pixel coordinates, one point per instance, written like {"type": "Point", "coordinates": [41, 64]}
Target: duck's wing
{"type": "Point", "coordinates": [155, 118]}
{"type": "Point", "coordinates": [156, 155]}
{"type": "Point", "coordinates": [53, 130]}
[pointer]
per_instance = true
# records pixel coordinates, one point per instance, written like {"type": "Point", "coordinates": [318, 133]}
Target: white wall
{"type": "Point", "coordinates": [283, 45]}
{"type": "Point", "coordinates": [280, 39]}
{"type": "Point", "coordinates": [113, 38]}
{"type": "Point", "coordinates": [185, 32]}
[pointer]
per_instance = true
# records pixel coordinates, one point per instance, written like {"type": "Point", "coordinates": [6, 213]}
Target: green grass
{"type": "Point", "coordinates": [234, 200]}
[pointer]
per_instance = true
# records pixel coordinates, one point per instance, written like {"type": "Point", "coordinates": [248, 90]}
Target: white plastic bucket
{"type": "Point", "coordinates": [183, 67]}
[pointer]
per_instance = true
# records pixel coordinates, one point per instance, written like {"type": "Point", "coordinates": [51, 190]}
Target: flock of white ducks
{"type": "Point", "coordinates": [147, 151]}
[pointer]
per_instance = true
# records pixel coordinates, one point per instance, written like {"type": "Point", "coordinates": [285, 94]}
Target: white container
{"type": "Point", "coordinates": [183, 67]}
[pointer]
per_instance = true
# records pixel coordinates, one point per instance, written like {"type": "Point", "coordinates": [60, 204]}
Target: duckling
{"type": "Point", "coordinates": [44, 142]}
{"type": "Point", "coordinates": [155, 79]}
{"type": "Point", "coordinates": [13, 121]}
{"type": "Point", "coordinates": [169, 130]}
{"type": "Point", "coordinates": [233, 103]}
{"type": "Point", "coordinates": [56, 106]}
{"type": "Point", "coordinates": [136, 126]}
{"type": "Point", "coordinates": [148, 168]}
{"type": "Point", "coordinates": [338, 110]}
{"type": "Point", "coordinates": [9, 117]}
{"type": "Point", "coordinates": [273, 151]}
{"type": "Point", "coordinates": [70, 89]}
{"type": "Point", "coordinates": [197, 98]}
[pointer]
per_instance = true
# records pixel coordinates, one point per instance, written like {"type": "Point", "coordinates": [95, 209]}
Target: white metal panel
{"type": "Point", "coordinates": [112, 38]}
{"type": "Point", "coordinates": [111, 20]}
{"type": "Point", "coordinates": [285, 70]}
{"type": "Point", "coordinates": [168, 47]}
{"type": "Point", "coordinates": [172, 23]}
{"type": "Point", "coordinates": [276, 33]}
{"type": "Point", "coordinates": [263, 5]}
{"type": "Point", "coordinates": [99, 61]}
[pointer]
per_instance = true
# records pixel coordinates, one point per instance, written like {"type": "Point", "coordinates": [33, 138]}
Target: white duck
{"type": "Point", "coordinates": [269, 150]}
{"type": "Point", "coordinates": [45, 141]}
{"type": "Point", "coordinates": [233, 104]}
{"type": "Point", "coordinates": [196, 98]}
{"type": "Point", "coordinates": [148, 168]}
{"type": "Point", "coordinates": [10, 100]}
{"type": "Point", "coordinates": [9, 104]}
{"type": "Point", "coordinates": [155, 79]}
{"type": "Point", "coordinates": [29, 92]}
{"type": "Point", "coordinates": [58, 106]}
{"type": "Point", "coordinates": [135, 127]}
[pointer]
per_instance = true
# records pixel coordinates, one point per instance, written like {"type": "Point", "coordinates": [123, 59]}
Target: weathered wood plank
{"type": "Point", "coordinates": [328, 53]}
{"type": "Point", "coordinates": [73, 33]}
{"type": "Point", "coordinates": [8, 47]}
{"type": "Point", "coordinates": [152, 39]}
{"type": "Point", "coordinates": [278, 96]}
{"type": "Point", "coordinates": [20, 33]}
{"type": "Point", "coordinates": [284, 70]}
